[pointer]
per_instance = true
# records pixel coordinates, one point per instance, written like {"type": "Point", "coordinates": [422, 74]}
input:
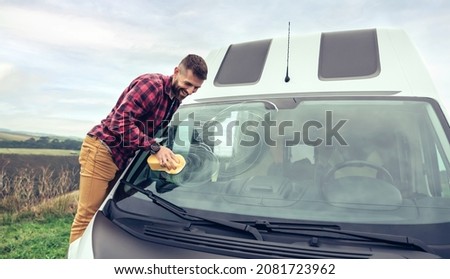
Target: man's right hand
{"type": "Point", "coordinates": [167, 158]}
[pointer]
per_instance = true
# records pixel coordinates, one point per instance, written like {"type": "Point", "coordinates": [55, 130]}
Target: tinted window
{"type": "Point", "coordinates": [350, 54]}
{"type": "Point", "coordinates": [243, 63]}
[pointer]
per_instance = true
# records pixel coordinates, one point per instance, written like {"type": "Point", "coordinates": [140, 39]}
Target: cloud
{"type": "Point", "coordinates": [69, 30]}
{"type": "Point", "coordinates": [5, 70]}
{"type": "Point", "coordinates": [7, 109]}
{"type": "Point", "coordinates": [44, 124]}
{"type": "Point", "coordinates": [13, 80]}
{"type": "Point", "coordinates": [72, 59]}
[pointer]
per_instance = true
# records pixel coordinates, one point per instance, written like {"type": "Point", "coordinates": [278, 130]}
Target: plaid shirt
{"type": "Point", "coordinates": [137, 116]}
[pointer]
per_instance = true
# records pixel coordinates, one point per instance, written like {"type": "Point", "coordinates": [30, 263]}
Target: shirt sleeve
{"type": "Point", "coordinates": [138, 100]}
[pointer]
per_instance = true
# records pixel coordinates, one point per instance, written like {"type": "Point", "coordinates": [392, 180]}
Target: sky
{"type": "Point", "coordinates": [63, 64]}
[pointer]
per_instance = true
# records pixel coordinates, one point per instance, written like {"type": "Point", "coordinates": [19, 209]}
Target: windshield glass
{"type": "Point", "coordinates": [365, 160]}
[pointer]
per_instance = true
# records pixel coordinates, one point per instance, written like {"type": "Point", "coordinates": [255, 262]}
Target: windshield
{"type": "Point", "coordinates": [367, 160]}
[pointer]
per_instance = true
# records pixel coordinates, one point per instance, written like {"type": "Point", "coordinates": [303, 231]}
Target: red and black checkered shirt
{"type": "Point", "coordinates": [144, 107]}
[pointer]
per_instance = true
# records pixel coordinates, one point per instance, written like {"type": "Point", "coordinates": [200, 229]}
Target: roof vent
{"type": "Point", "coordinates": [349, 55]}
{"type": "Point", "coordinates": [243, 63]}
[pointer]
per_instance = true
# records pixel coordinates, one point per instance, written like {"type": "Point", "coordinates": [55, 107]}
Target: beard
{"type": "Point", "coordinates": [179, 92]}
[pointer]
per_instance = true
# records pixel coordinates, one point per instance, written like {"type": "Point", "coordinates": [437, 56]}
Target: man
{"type": "Point", "coordinates": [144, 107]}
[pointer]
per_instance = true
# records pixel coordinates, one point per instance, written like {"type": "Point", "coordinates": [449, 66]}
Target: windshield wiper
{"type": "Point", "coordinates": [300, 228]}
{"type": "Point", "coordinates": [193, 220]}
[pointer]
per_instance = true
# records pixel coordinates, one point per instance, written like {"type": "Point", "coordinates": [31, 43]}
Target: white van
{"type": "Point", "coordinates": [329, 145]}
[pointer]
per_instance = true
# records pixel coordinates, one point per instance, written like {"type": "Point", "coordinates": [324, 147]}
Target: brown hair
{"type": "Point", "coordinates": [197, 64]}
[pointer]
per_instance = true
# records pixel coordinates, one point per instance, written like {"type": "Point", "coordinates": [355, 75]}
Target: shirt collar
{"type": "Point", "coordinates": [168, 88]}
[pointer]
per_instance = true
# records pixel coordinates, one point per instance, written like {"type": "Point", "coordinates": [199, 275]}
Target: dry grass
{"type": "Point", "coordinates": [38, 200]}
{"type": "Point", "coordinates": [66, 203]}
{"type": "Point", "coordinates": [38, 188]}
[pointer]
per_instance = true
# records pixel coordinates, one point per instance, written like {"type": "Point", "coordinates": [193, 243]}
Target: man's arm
{"type": "Point", "coordinates": [139, 100]}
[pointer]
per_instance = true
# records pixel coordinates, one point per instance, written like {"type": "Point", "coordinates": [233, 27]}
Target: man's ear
{"type": "Point", "coordinates": [176, 71]}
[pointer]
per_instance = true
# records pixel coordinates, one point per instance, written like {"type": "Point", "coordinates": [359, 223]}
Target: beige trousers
{"type": "Point", "coordinates": [97, 172]}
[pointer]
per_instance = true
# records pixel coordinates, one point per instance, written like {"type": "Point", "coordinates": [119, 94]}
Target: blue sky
{"type": "Point", "coordinates": [64, 63]}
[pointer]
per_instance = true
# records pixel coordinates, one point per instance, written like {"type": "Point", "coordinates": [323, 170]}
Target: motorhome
{"type": "Point", "coordinates": [325, 145]}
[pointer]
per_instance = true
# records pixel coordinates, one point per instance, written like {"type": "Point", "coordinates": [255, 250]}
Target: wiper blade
{"type": "Point", "coordinates": [175, 209]}
{"type": "Point", "coordinates": [233, 225]}
{"type": "Point", "coordinates": [266, 225]}
{"type": "Point", "coordinates": [299, 228]}
{"type": "Point", "coordinates": [193, 220]}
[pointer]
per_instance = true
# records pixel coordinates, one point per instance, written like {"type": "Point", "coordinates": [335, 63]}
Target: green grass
{"type": "Point", "coordinates": [35, 151]}
{"type": "Point", "coordinates": [44, 237]}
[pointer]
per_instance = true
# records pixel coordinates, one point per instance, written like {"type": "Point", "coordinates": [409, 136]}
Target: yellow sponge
{"type": "Point", "coordinates": [154, 164]}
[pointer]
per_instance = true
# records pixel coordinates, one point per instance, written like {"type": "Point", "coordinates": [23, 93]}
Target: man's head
{"type": "Point", "coordinates": [188, 76]}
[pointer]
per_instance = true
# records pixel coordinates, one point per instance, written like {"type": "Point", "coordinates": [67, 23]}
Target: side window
{"type": "Point", "coordinates": [437, 167]}
{"type": "Point", "coordinates": [444, 173]}
{"type": "Point", "coordinates": [139, 170]}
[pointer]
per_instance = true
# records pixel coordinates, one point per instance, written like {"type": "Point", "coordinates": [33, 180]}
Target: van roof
{"type": "Point", "coordinates": [355, 62]}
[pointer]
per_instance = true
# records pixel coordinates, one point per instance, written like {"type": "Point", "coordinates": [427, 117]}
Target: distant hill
{"type": "Point", "coordinates": [10, 135]}
{"type": "Point", "coordinates": [23, 140]}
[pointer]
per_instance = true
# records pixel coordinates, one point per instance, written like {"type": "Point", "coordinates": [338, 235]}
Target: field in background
{"type": "Point", "coordinates": [38, 194]}
{"type": "Point", "coordinates": [39, 233]}
{"type": "Point", "coordinates": [28, 179]}
{"type": "Point", "coordinates": [35, 151]}
{"type": "Point", "coordinates": [11, 136]}
{"type": "Point", "coordinates": [38, 238]}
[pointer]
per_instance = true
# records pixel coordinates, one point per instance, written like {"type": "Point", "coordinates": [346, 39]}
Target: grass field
{"type": "Point", "coordinates": [44, 238]}
{"type": "Point", "coordinates": [35, 212]}
{"type": "Point", "coordinates": [39, 233]}
{"type": "Point", "coordinates": [33, 151]}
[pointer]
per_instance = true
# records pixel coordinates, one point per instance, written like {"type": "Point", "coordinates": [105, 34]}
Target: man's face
{"type": "Point", "coordinates": [185, 83]}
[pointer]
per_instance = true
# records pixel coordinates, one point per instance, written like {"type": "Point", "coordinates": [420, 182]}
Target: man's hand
{"type": "Point", "coordinates": [167, 158]}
